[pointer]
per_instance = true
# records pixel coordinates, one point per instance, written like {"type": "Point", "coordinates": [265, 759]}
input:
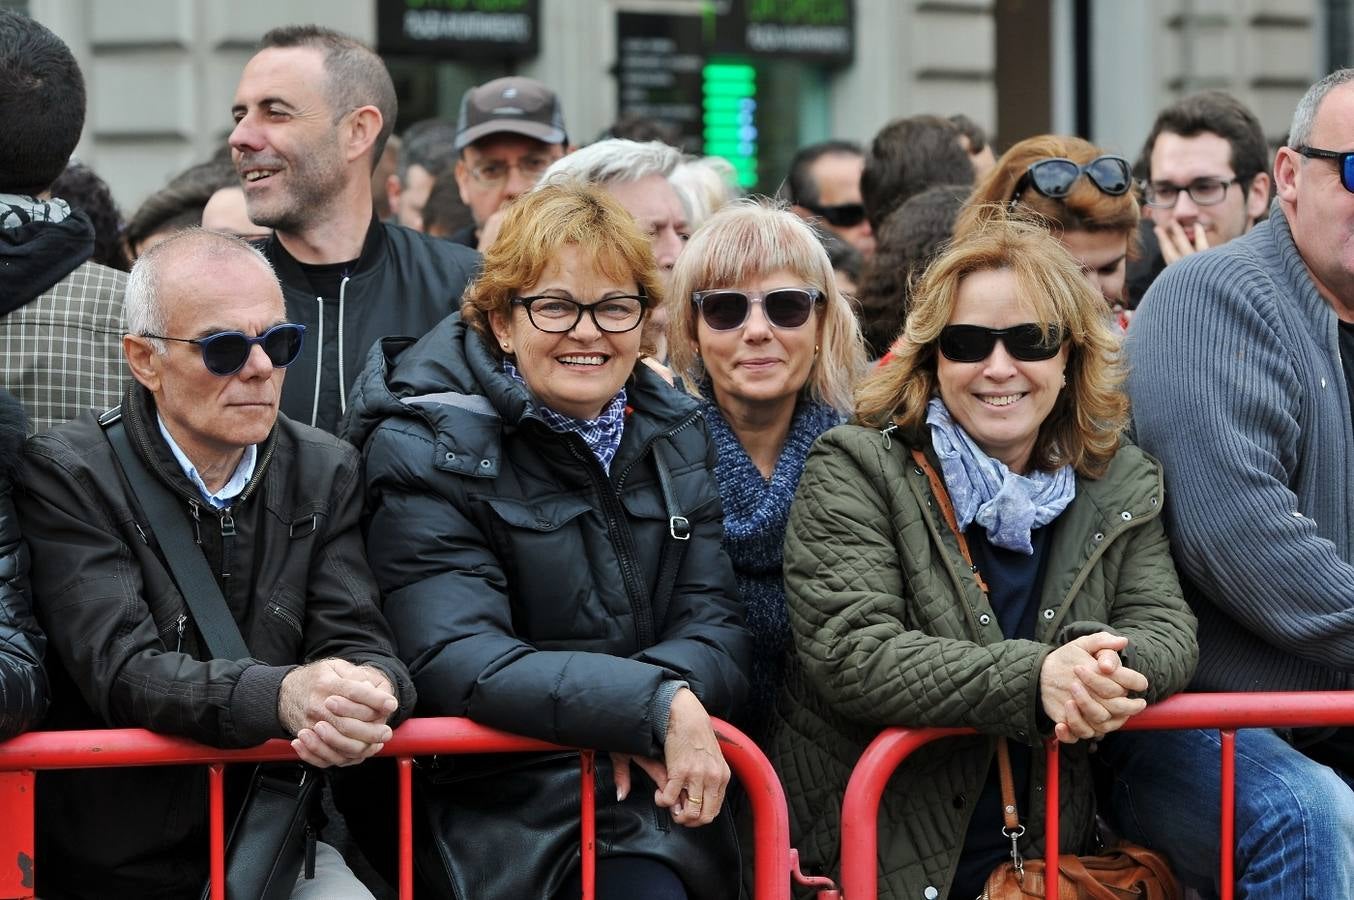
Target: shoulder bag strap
{"type": "Point", "coordinates": [185, 558]}
{"type": "Point", "coordinates": [679, 533]}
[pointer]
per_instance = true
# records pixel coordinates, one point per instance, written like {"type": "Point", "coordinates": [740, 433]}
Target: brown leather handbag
{"type": "Point", "coordinates": [1123, 872]}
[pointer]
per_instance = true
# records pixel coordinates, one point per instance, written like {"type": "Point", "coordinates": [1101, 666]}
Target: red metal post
{"type": "Point", "coordinates": [405, 771]}
{"type": "Point", "coordinates": [1227, 842]}
{"type": "Point", "coordinates": [216, 805]}
{"type": "Point", "coordinates": [16, 834]}
{"type": "Point", "coordinates": [588, 792]}
{"type": "Point", "coordinates": [770, 815]}
{"type": "Point", "coordinates": [1051, 817]}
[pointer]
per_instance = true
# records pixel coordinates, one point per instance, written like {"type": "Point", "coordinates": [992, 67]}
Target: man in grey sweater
{"type": "Point", "coordinates": [1242, 361]}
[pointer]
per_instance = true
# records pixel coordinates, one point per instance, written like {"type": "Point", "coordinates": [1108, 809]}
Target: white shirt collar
{"type": "Point", "coordinates": [221, 499]}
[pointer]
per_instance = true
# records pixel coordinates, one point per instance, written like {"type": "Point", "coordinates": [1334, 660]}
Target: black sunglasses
{"type": "Point", "coordinates": [1344, 163]}
{"type": "Point", "coordinates": [845, 215]}
{"type": "Point", "coordinates": [1054, 177]}
{"type": "Point", "coordinates": [725, 310]}
{"type": "Point", "coordinates": [226, 352]}
{"type": "Point", "coordinates": [974, 343]}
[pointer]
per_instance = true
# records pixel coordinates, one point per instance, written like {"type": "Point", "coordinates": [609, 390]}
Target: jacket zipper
{"type": "Point", "coordinates": [179, 626]}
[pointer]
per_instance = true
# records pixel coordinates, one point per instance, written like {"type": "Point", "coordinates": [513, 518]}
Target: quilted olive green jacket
{"type": "Point", "coordinates": [890, 628]}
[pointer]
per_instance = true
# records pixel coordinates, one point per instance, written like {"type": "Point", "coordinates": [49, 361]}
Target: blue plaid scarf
{"type": "Point", "coordinates": [602, 434]}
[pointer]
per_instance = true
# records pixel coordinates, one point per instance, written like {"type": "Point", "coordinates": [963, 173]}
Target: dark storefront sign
{"type": "Point", "coordinates": [461, 28]}
{"type": "Point", "coordinates": [701, 72]}
{"type": "Point", "coordinates": [820, 31]}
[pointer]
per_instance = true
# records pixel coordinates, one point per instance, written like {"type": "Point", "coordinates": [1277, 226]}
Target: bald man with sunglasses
{"type": "Point", "coordinates": [268, 508]}
{"type": "Point", "coordinates": [1241, 366]}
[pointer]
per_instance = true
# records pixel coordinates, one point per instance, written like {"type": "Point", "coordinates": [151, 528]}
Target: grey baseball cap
{"type": "Point", "coordinates": [514, 104]}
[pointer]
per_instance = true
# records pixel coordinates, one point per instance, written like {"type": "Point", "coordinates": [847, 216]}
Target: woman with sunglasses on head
{"type": "Point", "coordinates": [1080, 193]}
{"type": "Point", "coordinates": [759, 331]}
{"type": "Point", "coordinates": [545, 527]}
{"type": "Point", "coordinates": [981, 550]}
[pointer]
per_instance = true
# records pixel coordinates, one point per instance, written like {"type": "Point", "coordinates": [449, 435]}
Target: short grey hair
{"type": "Point", "coordinates": [1304, 117]}
{"type": "Point", "coordinates": [614, 161]}
{"type": "Point", "coordinates": [143, 308]}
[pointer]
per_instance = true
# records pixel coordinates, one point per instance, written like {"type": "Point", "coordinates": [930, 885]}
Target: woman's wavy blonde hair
{"type": "Point", "coordinates": [746, 240]}
{"type": "Point", "coordinates": [1084, 427]}
{"type": "Point", "coordinates": [1085, 208]}
{"type": "Point", "coordinates": [536, 226]}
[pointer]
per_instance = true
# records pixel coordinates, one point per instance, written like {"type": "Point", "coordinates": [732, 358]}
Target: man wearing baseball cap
{"type": "Point", "coordinates": [509, 132]}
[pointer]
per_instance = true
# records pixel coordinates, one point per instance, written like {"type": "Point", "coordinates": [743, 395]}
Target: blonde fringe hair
{"type": "Point", "coordinates": [1087, 420]}
{"type": "Point", "coordinates": [740, 243]}
{"type": "Point", "coordinates": [1085, 208]}
{"type": "Point", "coordinates": [536, 227]}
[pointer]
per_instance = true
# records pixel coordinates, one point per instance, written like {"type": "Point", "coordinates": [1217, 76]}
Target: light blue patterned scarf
{"type": "Point", "coordinates": [983, 490]}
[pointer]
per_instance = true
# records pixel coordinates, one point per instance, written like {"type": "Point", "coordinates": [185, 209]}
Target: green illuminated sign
{"type": "Point", "coordinates": [730, 107]}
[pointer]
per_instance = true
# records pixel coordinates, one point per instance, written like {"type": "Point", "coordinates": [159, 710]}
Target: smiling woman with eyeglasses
{"type": "Point", "coordinates": [545, 526]}
{"type": "Point", "coordinates": [1082, 194]}
{"type": "Point", "coordinates": [759, 331]}
{"type": "Point", "coordinates": [978, 550]}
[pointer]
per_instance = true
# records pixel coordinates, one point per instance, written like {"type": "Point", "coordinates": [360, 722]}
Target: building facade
{"type": "Point", "coordinates": [162, 73]}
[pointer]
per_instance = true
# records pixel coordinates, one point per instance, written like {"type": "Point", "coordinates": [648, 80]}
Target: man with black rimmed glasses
{"type": "Point", "coordinates": [1204, 180]}
{"type": "Point", "coordinates": [1241, 366]}
{"type": "Point", "coordinates": [313, 110]}
{"type": "Point", "coordinates": [823, 187]}
{"type": "Point", "coordinates": [270, 507]}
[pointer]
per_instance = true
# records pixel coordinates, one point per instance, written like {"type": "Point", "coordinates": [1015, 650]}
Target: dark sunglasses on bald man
{"type": "Point", "coordinates": [845, 215]}
{"type": "Point", "coordinates": [1055, 176]}
{"type": "Point", "coordinates": [974, 343]}
{"type": "Point", "coordinates": [725, 310]}
{"type": "Point", "coordinates": [226, 352]}
{"type": "Point", "coordinates": [1344, 163]}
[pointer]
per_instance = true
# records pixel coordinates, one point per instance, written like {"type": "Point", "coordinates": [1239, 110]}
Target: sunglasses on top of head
{"type": "Point", "coordinates": [725, 310]}
{"type": "Point", "coordinates": [226, 352]}
{"type": "Point", "coordinates": [1344, 162]}
{"type": "Point", "coordinates": [974, 343]}
{"type": "Point", "coordinates": [1055, 176]}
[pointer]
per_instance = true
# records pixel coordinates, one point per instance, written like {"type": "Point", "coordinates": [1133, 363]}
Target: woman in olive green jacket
{"type": "Point", "coordinates": [1001, 409]}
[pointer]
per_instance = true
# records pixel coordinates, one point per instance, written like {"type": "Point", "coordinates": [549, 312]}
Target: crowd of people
{"type": "Point", "coordinates": [580, 444]}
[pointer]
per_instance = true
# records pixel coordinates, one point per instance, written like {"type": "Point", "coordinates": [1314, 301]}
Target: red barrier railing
{"type": "Point", "coordinates": [1225, 712]}
{"type": "Point", "coordinates": [22, 756]}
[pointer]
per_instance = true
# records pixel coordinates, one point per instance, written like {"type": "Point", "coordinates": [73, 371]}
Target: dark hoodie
{"type": "Point", "coordinates": [36, 254]}
{"type": "Point", "coordinates": [23, 684]}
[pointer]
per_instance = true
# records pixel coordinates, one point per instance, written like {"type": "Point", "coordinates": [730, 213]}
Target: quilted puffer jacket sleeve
{"type": "Point", "coordinates": [854, 613]}
{"type": "Point", "coordinates": [23, 683]}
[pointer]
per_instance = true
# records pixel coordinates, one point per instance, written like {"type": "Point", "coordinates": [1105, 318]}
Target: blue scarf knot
{"type": "Point", "coordinates": [983, 490]}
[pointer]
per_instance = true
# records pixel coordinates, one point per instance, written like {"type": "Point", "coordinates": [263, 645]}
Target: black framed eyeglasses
{"type": "Point", "coordinates": [226, 352]}
{"type": "Point", "coordinates": [1203, 191]}
{"type": "Point", "coordinates": [725, 309]}
{"type": "Point", "coordinates": [557, 315]}
{"type": "Point", "coordinates": [843, 215]}
{"type": "Point", "coordinates": [1054, 177]}
{"type": "Point", "coordinates": [1344, 162]}
{"type": "Point", "coordinates": [1029, 342]}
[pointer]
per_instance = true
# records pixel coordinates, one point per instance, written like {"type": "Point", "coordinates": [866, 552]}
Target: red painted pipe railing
{"type": "Point", "coordinates": [22, 756]}
{"type": "Point", "coordinates": [1224, 712]}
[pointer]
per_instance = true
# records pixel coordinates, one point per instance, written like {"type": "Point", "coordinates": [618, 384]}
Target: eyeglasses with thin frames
{"type": "Point", "coordinates": [493, 172]}
{"type": "Point", "coordinates": [1203, 191]}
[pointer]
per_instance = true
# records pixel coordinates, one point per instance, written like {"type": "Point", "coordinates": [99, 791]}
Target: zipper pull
{"type": "Point", "coordinates": [139, 530]}
{"type": "Point", "coordinates": [310, 851]}
{"type": "Point", "coordinates": [197, 522]}
{"type": "Point", "coordinates": [183, 620]}
{"type": "Point", "coordinates": [227, 523]}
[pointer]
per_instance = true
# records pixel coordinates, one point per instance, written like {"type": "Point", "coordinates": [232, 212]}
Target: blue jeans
{"type": "Point", "coordinates": [1294, 816]}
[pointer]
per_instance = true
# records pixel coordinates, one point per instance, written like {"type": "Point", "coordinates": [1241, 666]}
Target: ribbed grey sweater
{"type": "Point", "coordinates": [1238, 389]}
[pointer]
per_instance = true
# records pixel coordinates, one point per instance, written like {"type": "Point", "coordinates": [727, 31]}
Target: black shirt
{"type": "Point", "coordinates": [1014, 583]}
{"type": "Point", "coordinates": [1347, 358]}
{"type": "Point", "coordinates": [325, 278]}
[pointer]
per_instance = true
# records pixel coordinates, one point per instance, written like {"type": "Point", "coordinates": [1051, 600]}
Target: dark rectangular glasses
{"type": "Point", "coordinates": [846, 215]}
{"type": "Point", "coordinates": [725, 310]}
{"type": "Point", "coordinates": [1055, 176]}
{"type": "Point", "coordinates": [1344, 163]}
{"type": "Point", "coordinates": [226, 352]}
{"type": "Point", "coordinates": [974, 343]}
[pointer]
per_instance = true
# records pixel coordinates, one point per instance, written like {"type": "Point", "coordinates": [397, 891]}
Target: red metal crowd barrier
{"type": "Point", "coordinates": [21, 756]}
{"type": "Point", "coordinates": [1225, 712]}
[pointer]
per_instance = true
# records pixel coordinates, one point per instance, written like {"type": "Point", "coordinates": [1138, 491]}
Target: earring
{"type": "Point", "coordinates": [1064, 380]}
{"type": "Point", "coordinates": [815, 349]}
